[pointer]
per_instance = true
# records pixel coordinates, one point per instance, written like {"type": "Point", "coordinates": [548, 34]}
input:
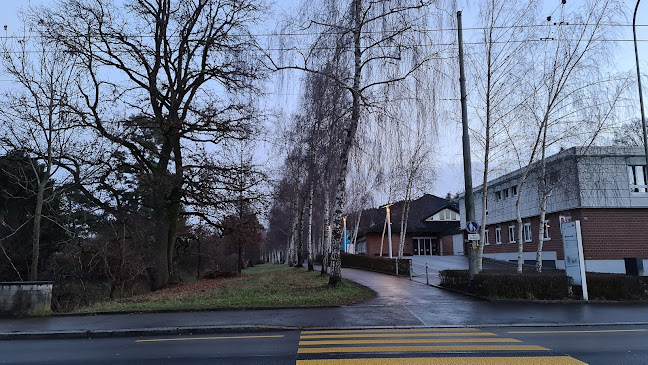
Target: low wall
{"type": "Point", "coordinates": [25, 298]}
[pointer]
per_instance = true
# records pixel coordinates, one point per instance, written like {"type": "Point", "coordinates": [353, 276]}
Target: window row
{"type": "Point", "coordinates": [527, 233]}
{"type": "Point", "coordinates": [506, 193]}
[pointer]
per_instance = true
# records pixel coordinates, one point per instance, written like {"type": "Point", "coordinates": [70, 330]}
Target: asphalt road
{"type": "Point", "coordinates": [487, 345]}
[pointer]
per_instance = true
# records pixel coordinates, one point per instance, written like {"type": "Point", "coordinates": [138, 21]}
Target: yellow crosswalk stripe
{"type": "Point", "coordinates": [324, 350]}
{"type": "Point", "coordinates": [526, 360]}
{"type": "Point", "coordinates": [383, 335]}
{"type": "Point", "coordinates": [395, 330]}
{"type": "Point", "coordinates": [411, 340]}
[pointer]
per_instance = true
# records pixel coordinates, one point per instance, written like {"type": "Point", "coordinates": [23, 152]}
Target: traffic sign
{"type": "Point", "coordinates": [473, 236]}
{"type": "Point", "coordinates": [472, 227]}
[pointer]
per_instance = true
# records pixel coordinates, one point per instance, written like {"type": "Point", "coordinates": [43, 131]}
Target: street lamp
{"type": "Point", "coordinates": [344, 237]}
{"type": "Point", "coordinates": [643, 118]}
{"type": "Point", "coordinates": [389, 234]}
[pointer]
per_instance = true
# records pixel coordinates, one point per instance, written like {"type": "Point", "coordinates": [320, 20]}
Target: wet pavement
{"type": "Point", "coordinates": [400, 302]}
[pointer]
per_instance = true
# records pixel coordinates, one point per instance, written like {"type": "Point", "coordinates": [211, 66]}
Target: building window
{"type": "Point", "coordinates": [637, 175]}
{"type": "Point", "coordinates": [514, 190]}
{"type": "Point", "coordinates": [498, 235]}
{"type": "Point", "coordinates": [506, 193]}
{"type": "Point", "coordinates": [545, 235]}
{"type": "Point", "coordinates": [486, 241]}
{"type": "Point", "coordinates": [527, 232]}
{"type": "Point", "coordinates": [498, 195]}
{"type": "Point", "coordinates": [512, 234]}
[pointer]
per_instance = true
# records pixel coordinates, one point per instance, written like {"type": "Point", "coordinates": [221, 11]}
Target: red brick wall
{"type": "Point", "coordinates": [446, 245]}
{"type": "Point", "coordinates": [373, 244]}
{"type": "Point", "coordinates": [608, 234]}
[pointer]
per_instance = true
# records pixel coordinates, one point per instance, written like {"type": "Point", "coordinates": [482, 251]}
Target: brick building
{"type": "Point", "coordinates": [604, 188]}
{"type": "Point", "coordinates": [430, 225]}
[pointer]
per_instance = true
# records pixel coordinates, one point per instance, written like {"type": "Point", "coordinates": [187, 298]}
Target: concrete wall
{"type": "Point", "coordinates": [25, 298]}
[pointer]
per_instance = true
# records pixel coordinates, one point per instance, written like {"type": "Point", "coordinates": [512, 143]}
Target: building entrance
{"type": "Point", "coordinates": [425, 246]}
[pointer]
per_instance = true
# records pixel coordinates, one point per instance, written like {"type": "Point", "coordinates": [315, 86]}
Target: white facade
{"type": "Point", "coordinates": [594, 177]}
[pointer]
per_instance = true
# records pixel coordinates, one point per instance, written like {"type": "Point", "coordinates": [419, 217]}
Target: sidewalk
{"type": "Point", "coordinates": [400, 303]}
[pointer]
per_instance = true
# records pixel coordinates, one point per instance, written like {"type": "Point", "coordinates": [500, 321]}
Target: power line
{"type": "Point", "coordinates": [142, 36]}
{"type": "Point", "coordinates": [324, 48]}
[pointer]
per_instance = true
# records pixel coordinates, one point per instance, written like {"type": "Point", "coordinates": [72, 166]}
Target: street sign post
{"type": "Point", "coordinates": [472, 227]}
{"type": "Point", "coordinates": [574, 259]}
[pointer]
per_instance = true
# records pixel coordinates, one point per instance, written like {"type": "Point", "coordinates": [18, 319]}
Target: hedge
{"type": "Point", "coordinates": [455, 279]}
{"type": "Point", "coordinates": [379, 264]}
{"type": "Point", "coordinates": [547, 285]}
{"type": "Point", "coordinates": [616, 286]}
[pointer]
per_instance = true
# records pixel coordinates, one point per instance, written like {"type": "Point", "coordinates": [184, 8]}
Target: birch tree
{"type": "Point", "coordinates": [375, 37]}
{"type": "Point", "coordinates": [499, 69]}
{"type": "Point", "coordinates": [565, 82]}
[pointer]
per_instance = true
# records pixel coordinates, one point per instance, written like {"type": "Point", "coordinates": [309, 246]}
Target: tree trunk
{"type": "Point", "coordinates": [309, 238]}
{"type": "Point", "coordinates": [38, 213]}
{"type": "Point", "coordinates": [336, 264]}
{"type": "Point", "coordinates": [327, 223]}
{"type": "Point", "coordinates": [291, 254]}
{"type": "Point", "coordinates": [300, 239]}
{"type": "Point", "coordinates": [403, 233]}
{"type": "Point", "coordinates": [382, 239]}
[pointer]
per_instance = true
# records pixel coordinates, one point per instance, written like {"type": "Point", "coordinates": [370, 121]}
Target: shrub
{"type": "Point", "coordinates": [544, 285]}
{"type": "Point", "coordinates": [379, 264]}
{"type": "Point", "coordinates": [455, 279]}
{"type": "Point", "coordinates": [616, 286]}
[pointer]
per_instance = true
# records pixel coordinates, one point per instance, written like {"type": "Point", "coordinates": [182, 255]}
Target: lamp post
{"type": "Point", "coordinates": [344, 235]}
{"type": "Point", "coordinates": [389, 233]}
{"type": "Point", "coordinates": [643, 117]}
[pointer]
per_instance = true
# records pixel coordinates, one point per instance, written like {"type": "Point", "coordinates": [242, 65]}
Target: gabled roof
{"type": "Point", "coordinates": [420, 210]}
{"type": "Point", "coordinates": [452, 206]}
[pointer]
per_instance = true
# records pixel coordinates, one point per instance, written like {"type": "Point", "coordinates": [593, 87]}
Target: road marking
{"type": "Point", "coordinates": [209, 338]}
{"type": "Point", "coordinates": [379, 335]}
{"type": "Point", "coordinates": [530, 360]}
{"type": "Point", "coordinates": [584, 331]}
{"type": "Point", "coordinates": [324, 350]}
{"type": "Point", "coordinates": [396, 330]}
{"type": "Point", "coordinates": [412, 340]}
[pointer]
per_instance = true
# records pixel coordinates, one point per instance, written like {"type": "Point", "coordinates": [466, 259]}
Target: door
{"type": "Point", "coordinates": [435, 248]}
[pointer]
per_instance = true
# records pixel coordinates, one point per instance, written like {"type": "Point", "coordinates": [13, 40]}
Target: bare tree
{"type": "Point", "coordinates": [498, 71]}
{"type": "Point", "coordinates": [35, 117]}
{"type": "Point", "coordinates": [565, 81]}
{"type": "Point", "coordinates": [165, 60]}
{"type": "Point", "coordinates": [375, 37]}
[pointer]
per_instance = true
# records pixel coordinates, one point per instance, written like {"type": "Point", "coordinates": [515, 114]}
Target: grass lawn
{"type": "Point", "coordinates": [263, 286]}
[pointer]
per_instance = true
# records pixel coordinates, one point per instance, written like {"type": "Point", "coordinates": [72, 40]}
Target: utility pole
{"type": "Point", "coordinates": [643, 117]}
{"type": "Point", "coordinates": [469, 199]}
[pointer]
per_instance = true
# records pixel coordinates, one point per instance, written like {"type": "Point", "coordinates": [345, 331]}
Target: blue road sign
{"type": "Point", "coordinates": [472, 227]}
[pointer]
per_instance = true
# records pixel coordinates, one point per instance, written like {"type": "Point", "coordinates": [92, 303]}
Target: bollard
{"type": "Point", "coordinates": [427, 278]}
{"type": "Point", "coordinates": [396, 267]}
{"type": "Point", "coordinates": [410, 265]}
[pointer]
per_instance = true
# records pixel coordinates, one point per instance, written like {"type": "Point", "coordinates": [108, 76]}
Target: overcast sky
{"type": "Point", "coordinates": [449, 169]}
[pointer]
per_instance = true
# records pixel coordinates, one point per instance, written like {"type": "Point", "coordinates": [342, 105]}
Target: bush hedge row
{"type": "Point", "coordinates": [547, 285]}
{"type": "Point", "coordinates": [379, 264]}
{"type": "Point", "coordinates": [617, 286]}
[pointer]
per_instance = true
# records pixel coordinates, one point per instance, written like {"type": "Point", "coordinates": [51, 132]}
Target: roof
{"type": "Point", "coordinates": [420, 209]}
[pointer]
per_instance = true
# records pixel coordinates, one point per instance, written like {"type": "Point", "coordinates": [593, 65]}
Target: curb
{"type": "Point", "coordinates": [137, 332]}
{"type": "Point", "coordinates": [179, 331]}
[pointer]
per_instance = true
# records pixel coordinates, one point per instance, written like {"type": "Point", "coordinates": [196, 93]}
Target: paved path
{"type": "Point", "coordinates": [400, 302]}
{"type": "Point", "coordinates": [438, 263]}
